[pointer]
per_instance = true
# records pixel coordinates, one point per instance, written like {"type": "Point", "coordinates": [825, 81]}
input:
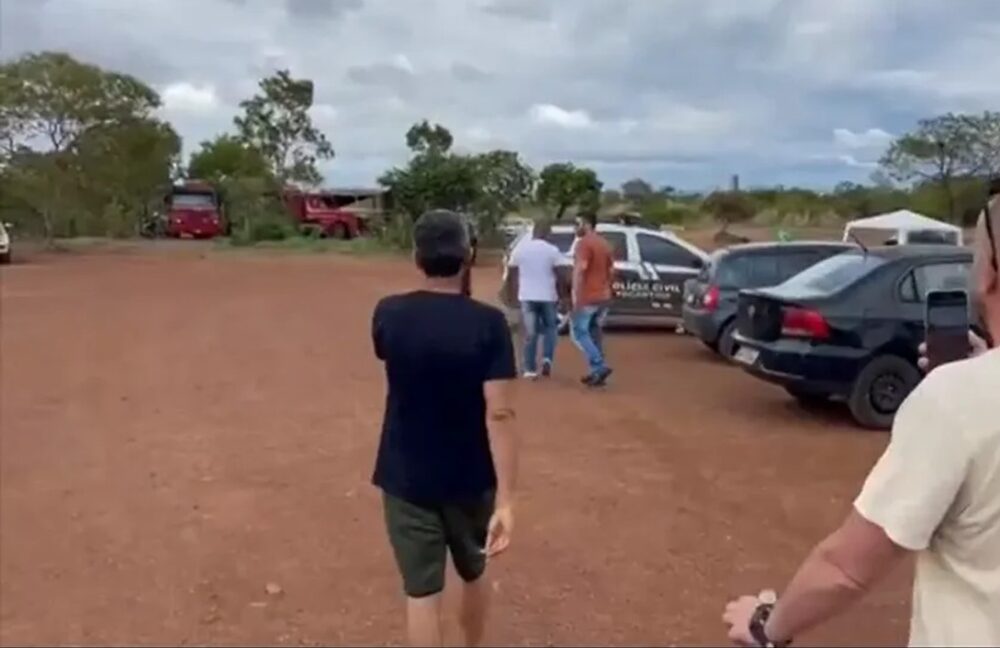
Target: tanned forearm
{"type": "Point", "coordinates": [577, 282]}
{"type": "Point", "coordinates": [824, 586]}
{"type": "Point", "coordinates": [502, 426]}
{"type": "Point", "coordinates": [503, 445]}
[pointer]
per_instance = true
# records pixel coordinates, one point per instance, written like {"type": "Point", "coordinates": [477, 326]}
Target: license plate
{"type": "Point", "coordinates": [747, 356]}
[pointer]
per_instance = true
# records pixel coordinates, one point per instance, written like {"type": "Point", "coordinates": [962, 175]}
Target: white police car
{"type": "Point", "coordinates": [651, 267]}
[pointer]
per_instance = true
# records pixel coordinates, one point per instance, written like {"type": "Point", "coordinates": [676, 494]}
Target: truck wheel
{"type": "Point", "coordinates": [727, 342]}
{"type": "Point", "coordinates": [880, 389]}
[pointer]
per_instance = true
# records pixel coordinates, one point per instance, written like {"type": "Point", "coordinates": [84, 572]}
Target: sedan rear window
{"type": "Point", "coordinates": [833, 275]}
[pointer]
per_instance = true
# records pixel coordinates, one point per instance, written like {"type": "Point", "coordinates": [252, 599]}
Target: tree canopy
{"type": "Point", "coordinates": [563, 185]}
{"type": "Point", "coordinates": [277, 123]}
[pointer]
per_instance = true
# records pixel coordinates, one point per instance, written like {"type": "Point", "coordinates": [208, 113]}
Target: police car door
{"type": "Point", "coordinates": [666, 265]}
{"type": "Point", "coordinates": [628, 286]}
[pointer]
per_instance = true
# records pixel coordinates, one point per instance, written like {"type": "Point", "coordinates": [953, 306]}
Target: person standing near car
{"type": "Point", "coordinates": [934, 492]}
{"type": "Point", "coordinates": [593, 273]}
{"type": "Point", "coordinates": [536, 268]}
{"type": "Point", "coordinates": [447, 459]}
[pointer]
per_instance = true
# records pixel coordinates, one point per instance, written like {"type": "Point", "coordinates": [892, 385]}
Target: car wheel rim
{"type": "Point", "coordinates": [887, 393]}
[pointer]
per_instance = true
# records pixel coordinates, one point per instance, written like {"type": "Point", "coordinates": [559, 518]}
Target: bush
{"type": "Point", "coordinates": [729, 207]}
{"type": "Point", "coordinates": [396, 231]}
{"type": "Point", "coordinates": [663, 212]}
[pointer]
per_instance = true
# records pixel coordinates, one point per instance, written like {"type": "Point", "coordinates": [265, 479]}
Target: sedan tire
{"type": "Point", "coordinates": [880, 389]}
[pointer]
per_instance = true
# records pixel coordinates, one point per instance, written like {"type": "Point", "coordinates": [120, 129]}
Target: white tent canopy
{"type": "Point", "coordinates": [903, 227]}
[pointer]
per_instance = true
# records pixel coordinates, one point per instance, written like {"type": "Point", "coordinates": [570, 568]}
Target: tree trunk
{"type": "Point", "coordinates": [562, 210]}
{"type": "Point", "coordinates": [950, 195]}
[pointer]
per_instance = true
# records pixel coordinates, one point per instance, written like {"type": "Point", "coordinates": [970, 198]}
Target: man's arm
{"type": "Point", "coordinates": [581, 261]}
{"type": "Point", "coordinates": [500, 417]}
{"type": "Point", "coordinates": [838, 572]}
{"type": "Point", "coordinates": [904, 500]}
{"type": "Point", "coordinates": [501, 424]}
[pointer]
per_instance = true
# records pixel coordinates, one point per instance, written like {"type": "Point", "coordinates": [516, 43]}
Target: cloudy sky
{"type": "Point", "coordinates": [681, 92]}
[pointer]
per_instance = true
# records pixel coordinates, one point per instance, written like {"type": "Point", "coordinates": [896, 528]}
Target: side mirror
{"type": "Point", "coordinates": [697, 264]}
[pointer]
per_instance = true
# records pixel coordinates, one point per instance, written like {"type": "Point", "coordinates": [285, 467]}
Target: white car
{"type": "Point", "coordinates": [651, 267]}
{"type": "Point", "coordinates": [5, 253]}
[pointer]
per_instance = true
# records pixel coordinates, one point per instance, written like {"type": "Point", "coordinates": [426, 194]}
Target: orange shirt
{"type": "Point", "coordinates": [594, 263]}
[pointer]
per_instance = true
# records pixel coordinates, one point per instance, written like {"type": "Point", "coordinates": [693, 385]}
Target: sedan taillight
{"type": "Point", "coordinates": [710, 301]}
{"type": "Point", "coordinates": [805, 323]}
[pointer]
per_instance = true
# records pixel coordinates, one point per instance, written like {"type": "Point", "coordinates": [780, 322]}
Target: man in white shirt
{"type": "Point", "coordinates": [537, 268]}
{"type": "Point", "coordinates": [935, 492]}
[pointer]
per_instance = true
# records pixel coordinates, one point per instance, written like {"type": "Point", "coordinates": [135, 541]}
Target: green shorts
{"type": "Point", "coordinates": [421, 537]}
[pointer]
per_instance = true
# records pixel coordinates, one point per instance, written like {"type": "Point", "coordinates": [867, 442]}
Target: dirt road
{"type": "Point", "coordinates": [179, 430]}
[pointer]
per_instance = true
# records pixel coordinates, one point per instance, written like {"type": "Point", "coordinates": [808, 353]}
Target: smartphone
{"type": "Point", "coordinates": [947, 324]}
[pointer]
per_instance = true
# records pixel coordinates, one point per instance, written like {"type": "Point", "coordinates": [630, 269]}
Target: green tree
{"type": "Point", "coordinates": [277, 123]}
{"type": "Point", "coordinates": [729, 207]}
{"type": "Point", "coordinates": [70, 129]}
{"type": "Point", "coordinates": [637, 191]}
{"type": "Point", "coordinates": [434, 177]}
{"type": "Point", "coordinates": [227, 157]}
{"type": "Point", "coordinates": [485, 186]}
{"type": "Point", "coordinates": [563, 185]}
{"type": "Point", "coordinates": [944, 150]}
{"type": "Point", "coordinates": [426, 138]}
{"type": "Point", "coordinates": [52, 97]}
{"type": "Point", "coordinates": [123, 170]}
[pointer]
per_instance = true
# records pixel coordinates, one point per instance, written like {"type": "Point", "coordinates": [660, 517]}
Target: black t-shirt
{"type": "Point", "coordinates": [438, 350]}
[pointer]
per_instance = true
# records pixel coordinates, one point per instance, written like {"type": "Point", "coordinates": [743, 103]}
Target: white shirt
{"type": "Point", "coordinates": [936, 491]}
{"type": "Point", "coordinates": [536, 261]}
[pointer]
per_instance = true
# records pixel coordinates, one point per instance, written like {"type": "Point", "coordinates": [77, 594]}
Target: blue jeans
{"type": "Point", "coordinates": [585, 327]}
{"type": "Point", "coordinates": [539, 319]}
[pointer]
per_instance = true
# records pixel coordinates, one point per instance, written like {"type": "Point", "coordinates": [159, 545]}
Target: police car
{"type": "Point", "coordinates": [650, 269]}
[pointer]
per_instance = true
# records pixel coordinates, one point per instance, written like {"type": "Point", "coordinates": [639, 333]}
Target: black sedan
{"type": "Point", "coordinates": [849, 327]}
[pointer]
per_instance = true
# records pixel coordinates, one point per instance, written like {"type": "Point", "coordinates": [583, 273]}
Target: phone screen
{"type": "Point", "coordinates": [947, 326]}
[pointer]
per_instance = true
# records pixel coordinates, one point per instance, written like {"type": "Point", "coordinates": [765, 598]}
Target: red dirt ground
{"type": "Point", "coordinates": [180, 429]}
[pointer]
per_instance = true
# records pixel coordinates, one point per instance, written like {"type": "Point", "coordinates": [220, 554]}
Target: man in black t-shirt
{"type": "Point", "coordinates": [447, 460]}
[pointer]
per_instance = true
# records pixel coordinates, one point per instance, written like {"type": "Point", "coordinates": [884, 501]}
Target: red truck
{"type": "Point", "coordinates": [193, 209]}
{"type": "Point", "coordinates": [321, 210]}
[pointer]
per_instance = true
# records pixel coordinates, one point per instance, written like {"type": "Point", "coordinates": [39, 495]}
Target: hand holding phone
{"type": "Point", "coordinates": [947, 326]}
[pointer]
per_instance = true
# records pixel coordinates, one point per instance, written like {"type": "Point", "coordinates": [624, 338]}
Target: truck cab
{"type": "Point", "coordinates": [193, 210]}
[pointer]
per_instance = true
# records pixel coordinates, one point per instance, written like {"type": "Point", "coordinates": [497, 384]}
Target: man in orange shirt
{"type": "Point", "coordinates": [593, 267]}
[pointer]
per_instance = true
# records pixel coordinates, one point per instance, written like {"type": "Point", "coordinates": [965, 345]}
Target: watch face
{"type": "Point", "coordinates": [768, 597]}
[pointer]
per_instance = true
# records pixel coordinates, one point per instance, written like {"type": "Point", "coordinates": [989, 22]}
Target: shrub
{"type": "Point", "coordinates": [665, 212]}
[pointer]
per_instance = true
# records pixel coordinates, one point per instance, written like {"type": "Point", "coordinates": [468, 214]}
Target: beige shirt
{"type": "Point", "coordinates": [936, 491]}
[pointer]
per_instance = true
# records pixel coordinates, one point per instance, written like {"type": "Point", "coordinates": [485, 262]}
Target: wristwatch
{"type": "Point", "coordinates": [765, 604]}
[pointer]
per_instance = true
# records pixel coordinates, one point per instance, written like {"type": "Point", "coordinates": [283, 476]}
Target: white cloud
{"type": "Point", "coordinates": [403, 62]}
{"type": "Point", "coordinates": [550, 114]}
{"type": "Point", "coordinates": [681, 92]}
{"type": "Point", "coordinates": [185, 97]}
{"type": "Point", "coordinates": [851, 161]}
{"type": "Point", "coordinates": [871, 138]}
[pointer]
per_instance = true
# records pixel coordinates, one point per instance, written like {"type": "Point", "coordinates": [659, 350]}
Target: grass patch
{"type": "Point", "coordinates": [310, 245]}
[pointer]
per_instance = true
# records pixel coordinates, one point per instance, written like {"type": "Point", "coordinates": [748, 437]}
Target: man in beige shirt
{"type": "Point", "coordinates": [935, 492]}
